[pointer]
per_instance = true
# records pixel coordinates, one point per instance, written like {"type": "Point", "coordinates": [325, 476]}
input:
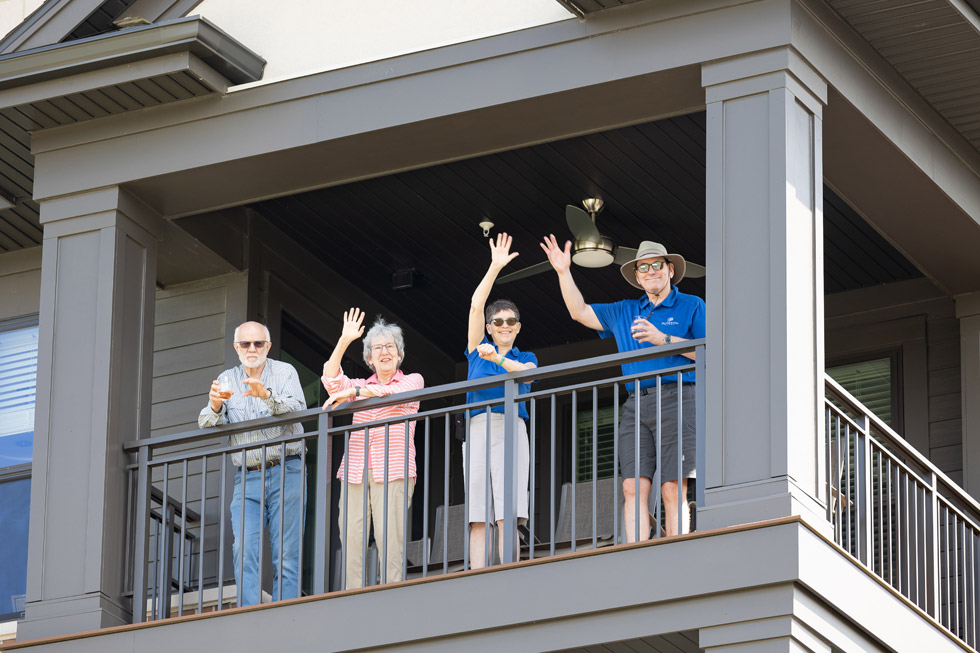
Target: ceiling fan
{"type": "Point", "coordinates": [590, 249]}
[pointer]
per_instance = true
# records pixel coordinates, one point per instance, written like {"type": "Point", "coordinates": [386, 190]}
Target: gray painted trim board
{"type": "Point", "coordinates": [49, 23]}
{"type": "Point", "coordinates": [20, 261]}
{"type": "Point", "coordinates": [20, 281]}
{"type": "Point", "coordinates": [199, 36]}
{"type": "Point", "coordinates": [746, 573]}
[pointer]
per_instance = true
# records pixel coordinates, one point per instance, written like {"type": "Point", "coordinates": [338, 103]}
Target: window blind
{"type": "Point", "coordinates": [870, 382]}
{"type": "Point", "coordinates": [18, 382]}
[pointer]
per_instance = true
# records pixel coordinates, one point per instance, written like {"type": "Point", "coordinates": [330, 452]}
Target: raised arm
{"type": "Point", "coordinates": [352, 329]}
{"type": "Point", "coordinates": [500, 256]}
{"type": "Point", "coordinates": [561, 261]}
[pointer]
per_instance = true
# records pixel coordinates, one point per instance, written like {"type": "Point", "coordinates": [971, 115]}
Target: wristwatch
{"type": "Point", "coordinates": [667, 339]}
{"type": "Point", "coordinates": [357, 391]}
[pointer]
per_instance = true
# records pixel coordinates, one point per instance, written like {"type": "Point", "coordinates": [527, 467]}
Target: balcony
{"type": "Point", "coordinates": [891, 513]}
{"type": "Point", "coordinates": [169, 537]}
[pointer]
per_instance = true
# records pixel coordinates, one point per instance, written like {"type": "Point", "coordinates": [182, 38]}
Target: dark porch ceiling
{"type": "Point", "coordinates": [934, 45]}
{"type": "Point", "coordinates": [651, 176]}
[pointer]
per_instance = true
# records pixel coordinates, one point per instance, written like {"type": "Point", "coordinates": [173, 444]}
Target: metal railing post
{"type": "Point", "coordinates": [321, 548]}
{"type": "Point", "coordinates": [167, 571]}
{"type": "Point", "coordinates": [142, 545]}
{"type": "Point", "coordinates": [865, 527]}
{"type": "Point", "coordinates": [163, 561]}
{"type": "Point", "coordinates": [510, 553]}
{"type": "Point", "coordinates": [933, 570]}
{"type": "Point", "coordinates": [700, 415]}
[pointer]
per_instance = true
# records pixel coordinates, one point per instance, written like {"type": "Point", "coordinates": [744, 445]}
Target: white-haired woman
{"type": "Point", "coordinates": [384, 351]}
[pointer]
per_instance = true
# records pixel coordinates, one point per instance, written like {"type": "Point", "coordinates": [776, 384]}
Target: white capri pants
{"type": "Point", "coordinates": [476, 477]}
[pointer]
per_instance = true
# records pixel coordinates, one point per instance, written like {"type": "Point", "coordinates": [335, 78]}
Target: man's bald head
{"type": "Point", "coordinates": [252, 325]}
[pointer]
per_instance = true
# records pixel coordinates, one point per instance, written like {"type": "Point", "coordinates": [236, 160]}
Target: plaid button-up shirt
{"type": "Point", "coordinates": [282, 381]}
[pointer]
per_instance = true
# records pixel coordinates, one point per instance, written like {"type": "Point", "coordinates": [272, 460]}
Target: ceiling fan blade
{"type": "Point", "coordinates": [580, 224]}
{"type": "Point", "coordinates": [695, 271]}
{"type": "Point", "coordinates": [531, 270]}
{"type": "Point", "coordinates": [624, 254]}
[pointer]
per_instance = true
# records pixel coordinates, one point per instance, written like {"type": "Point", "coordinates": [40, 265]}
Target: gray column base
{"type": "Point", "coordinates": [754, 502]}
{"type": "Point", "coordinates": [74, 614]}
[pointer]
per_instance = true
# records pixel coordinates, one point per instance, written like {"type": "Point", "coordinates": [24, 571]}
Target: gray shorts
{"type": "Point", "coordinates": [648, 432]}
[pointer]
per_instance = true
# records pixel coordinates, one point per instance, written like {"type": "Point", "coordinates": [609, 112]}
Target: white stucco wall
{"type": "Point", "coordinates": [306, 36]}
{"type": "Point", "coordinates": [12, 12]}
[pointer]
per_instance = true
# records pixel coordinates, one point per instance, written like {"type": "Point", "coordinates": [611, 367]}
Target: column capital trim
{"type": "Point", "coordinates": [718, 77]}
{"type": "Point", "coordinates": [97, 209]}
{"type": "Point", "coordinates": [967, 305]}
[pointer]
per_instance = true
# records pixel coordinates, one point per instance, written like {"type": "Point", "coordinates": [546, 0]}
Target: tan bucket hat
{"type": "Point", "coordinates": [650, 249]}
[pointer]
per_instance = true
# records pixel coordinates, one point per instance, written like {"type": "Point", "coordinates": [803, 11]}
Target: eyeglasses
{"type": "Point", "coordinates": [500, 321]}
{"type": "Point", "coordinates": [390, 346]}
{"type": "Point", "coordinates": [246, 344]}
{"type": "Point", "coordinates": [643, 268]}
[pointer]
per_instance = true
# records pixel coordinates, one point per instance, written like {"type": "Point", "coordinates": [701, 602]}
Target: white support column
{"type": "Point", "coordinates": [968, 312]}
{"type": "Point", "coordinates": [95, 358]}
{"type": "Point", "coordinates": [765, 290]}
{"type": "Point", "coordinates": [777, 635]}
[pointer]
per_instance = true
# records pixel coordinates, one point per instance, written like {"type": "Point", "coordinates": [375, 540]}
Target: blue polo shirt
{"type": "Point", "coordinates": [480, 368]}
{"type": "Point", "coordinates": [679, 315]}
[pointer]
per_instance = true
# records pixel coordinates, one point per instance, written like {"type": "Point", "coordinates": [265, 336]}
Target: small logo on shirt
{"type": "Point", "coordinates": [670, 321]}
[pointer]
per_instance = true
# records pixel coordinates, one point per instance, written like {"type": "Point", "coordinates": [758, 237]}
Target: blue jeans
{"type": "Point", "coordinates": [291, 507]}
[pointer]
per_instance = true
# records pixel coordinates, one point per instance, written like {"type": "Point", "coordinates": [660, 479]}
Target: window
{"type": "Point", "coordinates": [873, 383]}
{"type": "Point", "coordinates": [605, 429]}
{"type": "Point", "coordinates": [18, 378]}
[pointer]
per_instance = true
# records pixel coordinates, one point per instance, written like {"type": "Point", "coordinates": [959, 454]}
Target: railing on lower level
{"type": "Point", "coordinates": [180, 561]}
{"type": "Point", "coordinates": [901, 517]}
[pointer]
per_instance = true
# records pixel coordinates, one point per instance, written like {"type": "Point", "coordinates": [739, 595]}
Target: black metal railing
{"type": "Point", "coordinates": [901, 517]}
{"type": "Point", "coordinates": [576, 506]}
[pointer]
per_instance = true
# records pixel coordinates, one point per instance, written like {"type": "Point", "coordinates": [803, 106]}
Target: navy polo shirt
{"type": "Point", "coordinates": [679, 315]}
{"type": "Point", "coordinates": [480, 368]}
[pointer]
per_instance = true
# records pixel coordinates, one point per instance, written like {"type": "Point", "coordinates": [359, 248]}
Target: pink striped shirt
{"type": "Point", "coordinates": [401, 382]}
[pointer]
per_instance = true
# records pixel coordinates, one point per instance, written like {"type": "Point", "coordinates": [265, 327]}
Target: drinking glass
{"type": "Point", "coordinates": [635, 325]}
{"type": "Point", "coordinates": [227, 382]}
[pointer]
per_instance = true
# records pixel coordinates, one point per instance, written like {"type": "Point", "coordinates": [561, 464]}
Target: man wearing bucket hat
{"type": "Point", "coordinates": [661, 316]}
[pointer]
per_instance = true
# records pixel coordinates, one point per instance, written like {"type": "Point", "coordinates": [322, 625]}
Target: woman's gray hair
{"type": "Point", "coordinates": [388, 332]}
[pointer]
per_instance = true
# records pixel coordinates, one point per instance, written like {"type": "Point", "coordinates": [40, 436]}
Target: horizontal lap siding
{"type": "Point", "coordinates": [193, 327]}
{"type": "Point", "coordinates": [876, 319]}
{"type": "Point", "coordinates": [945, 410]}
{"type": "Point", "coordinates": [191, 332]}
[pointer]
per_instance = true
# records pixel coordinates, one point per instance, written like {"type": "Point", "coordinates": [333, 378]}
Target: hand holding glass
{"type": "Point", "coordinates": [636, 327]}
{"type": "Point", "coordinates": [227, 382]}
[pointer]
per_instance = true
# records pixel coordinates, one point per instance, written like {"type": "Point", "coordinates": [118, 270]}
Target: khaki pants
{"type": "Point", "coordinates": [375, 509]}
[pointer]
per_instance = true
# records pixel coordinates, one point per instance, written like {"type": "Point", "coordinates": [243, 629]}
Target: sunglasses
{"type": "Point", "coordinates": [643, 268]}
{"type": "Point", "coordinates": [259, 344]}
{"type": "Point", "coordinates": [500, 321]}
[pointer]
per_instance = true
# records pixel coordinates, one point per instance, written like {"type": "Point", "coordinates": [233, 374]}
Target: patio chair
{"type": "Point", "coordinates": [456, 519]}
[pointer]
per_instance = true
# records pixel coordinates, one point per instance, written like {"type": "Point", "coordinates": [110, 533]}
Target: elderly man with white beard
{"type": "Point", "coordinates": [262, 387]}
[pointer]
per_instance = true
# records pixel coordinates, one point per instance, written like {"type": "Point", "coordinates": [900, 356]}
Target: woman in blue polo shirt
{"type": "Point", "coordinates": [488, 357]}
